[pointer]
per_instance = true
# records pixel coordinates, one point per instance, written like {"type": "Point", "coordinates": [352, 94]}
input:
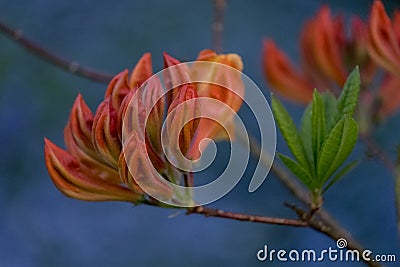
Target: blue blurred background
{"type": "Point", "coordinates": [41, 227]}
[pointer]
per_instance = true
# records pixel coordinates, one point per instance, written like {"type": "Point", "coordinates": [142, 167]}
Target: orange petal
{"type": "Point", "coordinates": [140, 172]}
{"type": "Point", "coordinates": [181, 123]}
{"type": "Point", "coordinates": [78, 139]}
{"type": "Point", "coordinates": [219, 76]}
{"type": "Point", "coordinates": [383, 46]}
{"type": "Point", "coordinates": [77, 181]}
{"type": "Point", "coordinates": [105, 136]}
{"type": "Point", "coordinates": [327, 45]}
{"type": "Point", "coordinates": [206, 54]}
{"type": "Point", "coordinates": [126, 176]}
{"type": "Point", "coordinates": [223, 84]}
{"type": "Point", "coordinates": [142, 71]}
{"type": "Point", "coordinates": [154, 103]}
{"type": "Point", "coordinates": [132, 115]}
{"type": "Point", "coordinates": [124, 171]}
{"type": "Point", "coordinates": [80, 123]}
{"type": "Point", "coordinates": [174, 76]}
{"type": "Point", "coordinates": [98, 166]}
{"type": "Point", "coordinates": [118, 89]}
{"type": "Point", "coordinates": [231, 59]}
{"type": "Point", "coordinates": [282, 76]}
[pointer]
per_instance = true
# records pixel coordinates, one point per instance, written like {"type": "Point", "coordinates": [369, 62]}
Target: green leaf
{"type": "Point", "coordinates": [337, 147]}
{"type": "Point", "coordinates": [348, 98]}
{"type": "Point", "coordinates": [289, 132]}
{"type": "Point", "coordinates": [317, 124]}
{"type": "Point", "coordinates": [305, 133]}
{"type": "Point", "coordinates": [340, 174]}
{"type": "Point", "coordinates": [330, 110]}
{"type": "Point", "coordinates": [298, 170]}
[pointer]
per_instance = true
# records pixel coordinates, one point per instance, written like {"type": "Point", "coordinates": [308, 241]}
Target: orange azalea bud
{"type": "Point", "coordinates": [232, 60]}
{"type": "Point", "coordinates": [383, 45]}
{"type": "Point", "coordinates": [78, 139]}
{"type": "Point", "coordinates": [228, 87]}
{"type": "Point", "coordinates": [91, 169]}
{"type": "Point", "coordinates": [154, 103]}
{"type": "Point", "coordinates": [182, 122]}
{"type": "Point", "coordinates": [327, 54]}
{"type": "Point", "coordinates": [142, 71]}
{"type": "Point", "coordinates": [105, 133]}
{"type": "Point", "coordinates": [78, 181]}
{"type": "Point", "coordinates": [118, 89]}
{"type": "Point", "coordinates": [174, 77]}
{"type": "Point", "coordinates": [137, 172]}
{"type": "Point", "coordinates": [223, 84]}
{"type": "Point", "coordinates": [132, 115]}
{"type": "Point", "coordinates": [282, 76]}
{"type": "Point", "coordinates": [323, 43]}
{"type": "Point", "coordinates": [94, 167]}
{"type": "Point", "coordinates": [220, 76]}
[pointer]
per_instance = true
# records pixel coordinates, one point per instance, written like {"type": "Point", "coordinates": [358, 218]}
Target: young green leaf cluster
{"type": "Point", "coordinates": [327, 135]}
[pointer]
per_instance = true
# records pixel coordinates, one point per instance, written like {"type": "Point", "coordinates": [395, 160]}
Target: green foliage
{"type": "Point", "coordinates": [290, 133]}
{"type": "Point", "coordinates": [317, 124]}
{"type": "Point", "coordinates": [328, 134]}
{"type": "Point", "coordinates": [348, 98]}
{"type": "Point", "coordinates": [337, 147]}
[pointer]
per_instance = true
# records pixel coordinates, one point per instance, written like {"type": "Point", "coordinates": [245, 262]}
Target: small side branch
{"type": "Point", "coordinates": [208, 212]}
{"type": "Point", "coordinates": [53, 58]}
{"type": "Point", "coordinates": [326, 228]}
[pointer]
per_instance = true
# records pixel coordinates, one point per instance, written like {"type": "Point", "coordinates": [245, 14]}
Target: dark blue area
{"type": "Point", "coordinates": [41, 227]}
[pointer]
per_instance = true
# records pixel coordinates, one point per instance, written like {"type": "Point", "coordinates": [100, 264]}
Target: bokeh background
{"type": "Point", "coordinates": [41, 227]}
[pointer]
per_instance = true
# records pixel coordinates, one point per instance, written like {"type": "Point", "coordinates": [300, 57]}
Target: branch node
{"type": "Point", "coordinates": [199, 209]}
{"type": "Point", "coordinates": [73, 67]}
{"type": "Point", "coordinates": [17, 34]}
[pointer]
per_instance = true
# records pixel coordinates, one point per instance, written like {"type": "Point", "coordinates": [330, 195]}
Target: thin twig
{"type": "Point", "coordinates": [296, 189]}
{"type": "Point", "coordinates": [320, 226]}
{"type": "Point", "coordinates": [218, 24]}
{"type": "Point", "coordinates": [304, 221]}
{"type": "Point", "coordinates": [53, 58]}
{"type": "Point", "coordinates": [208, 212]}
